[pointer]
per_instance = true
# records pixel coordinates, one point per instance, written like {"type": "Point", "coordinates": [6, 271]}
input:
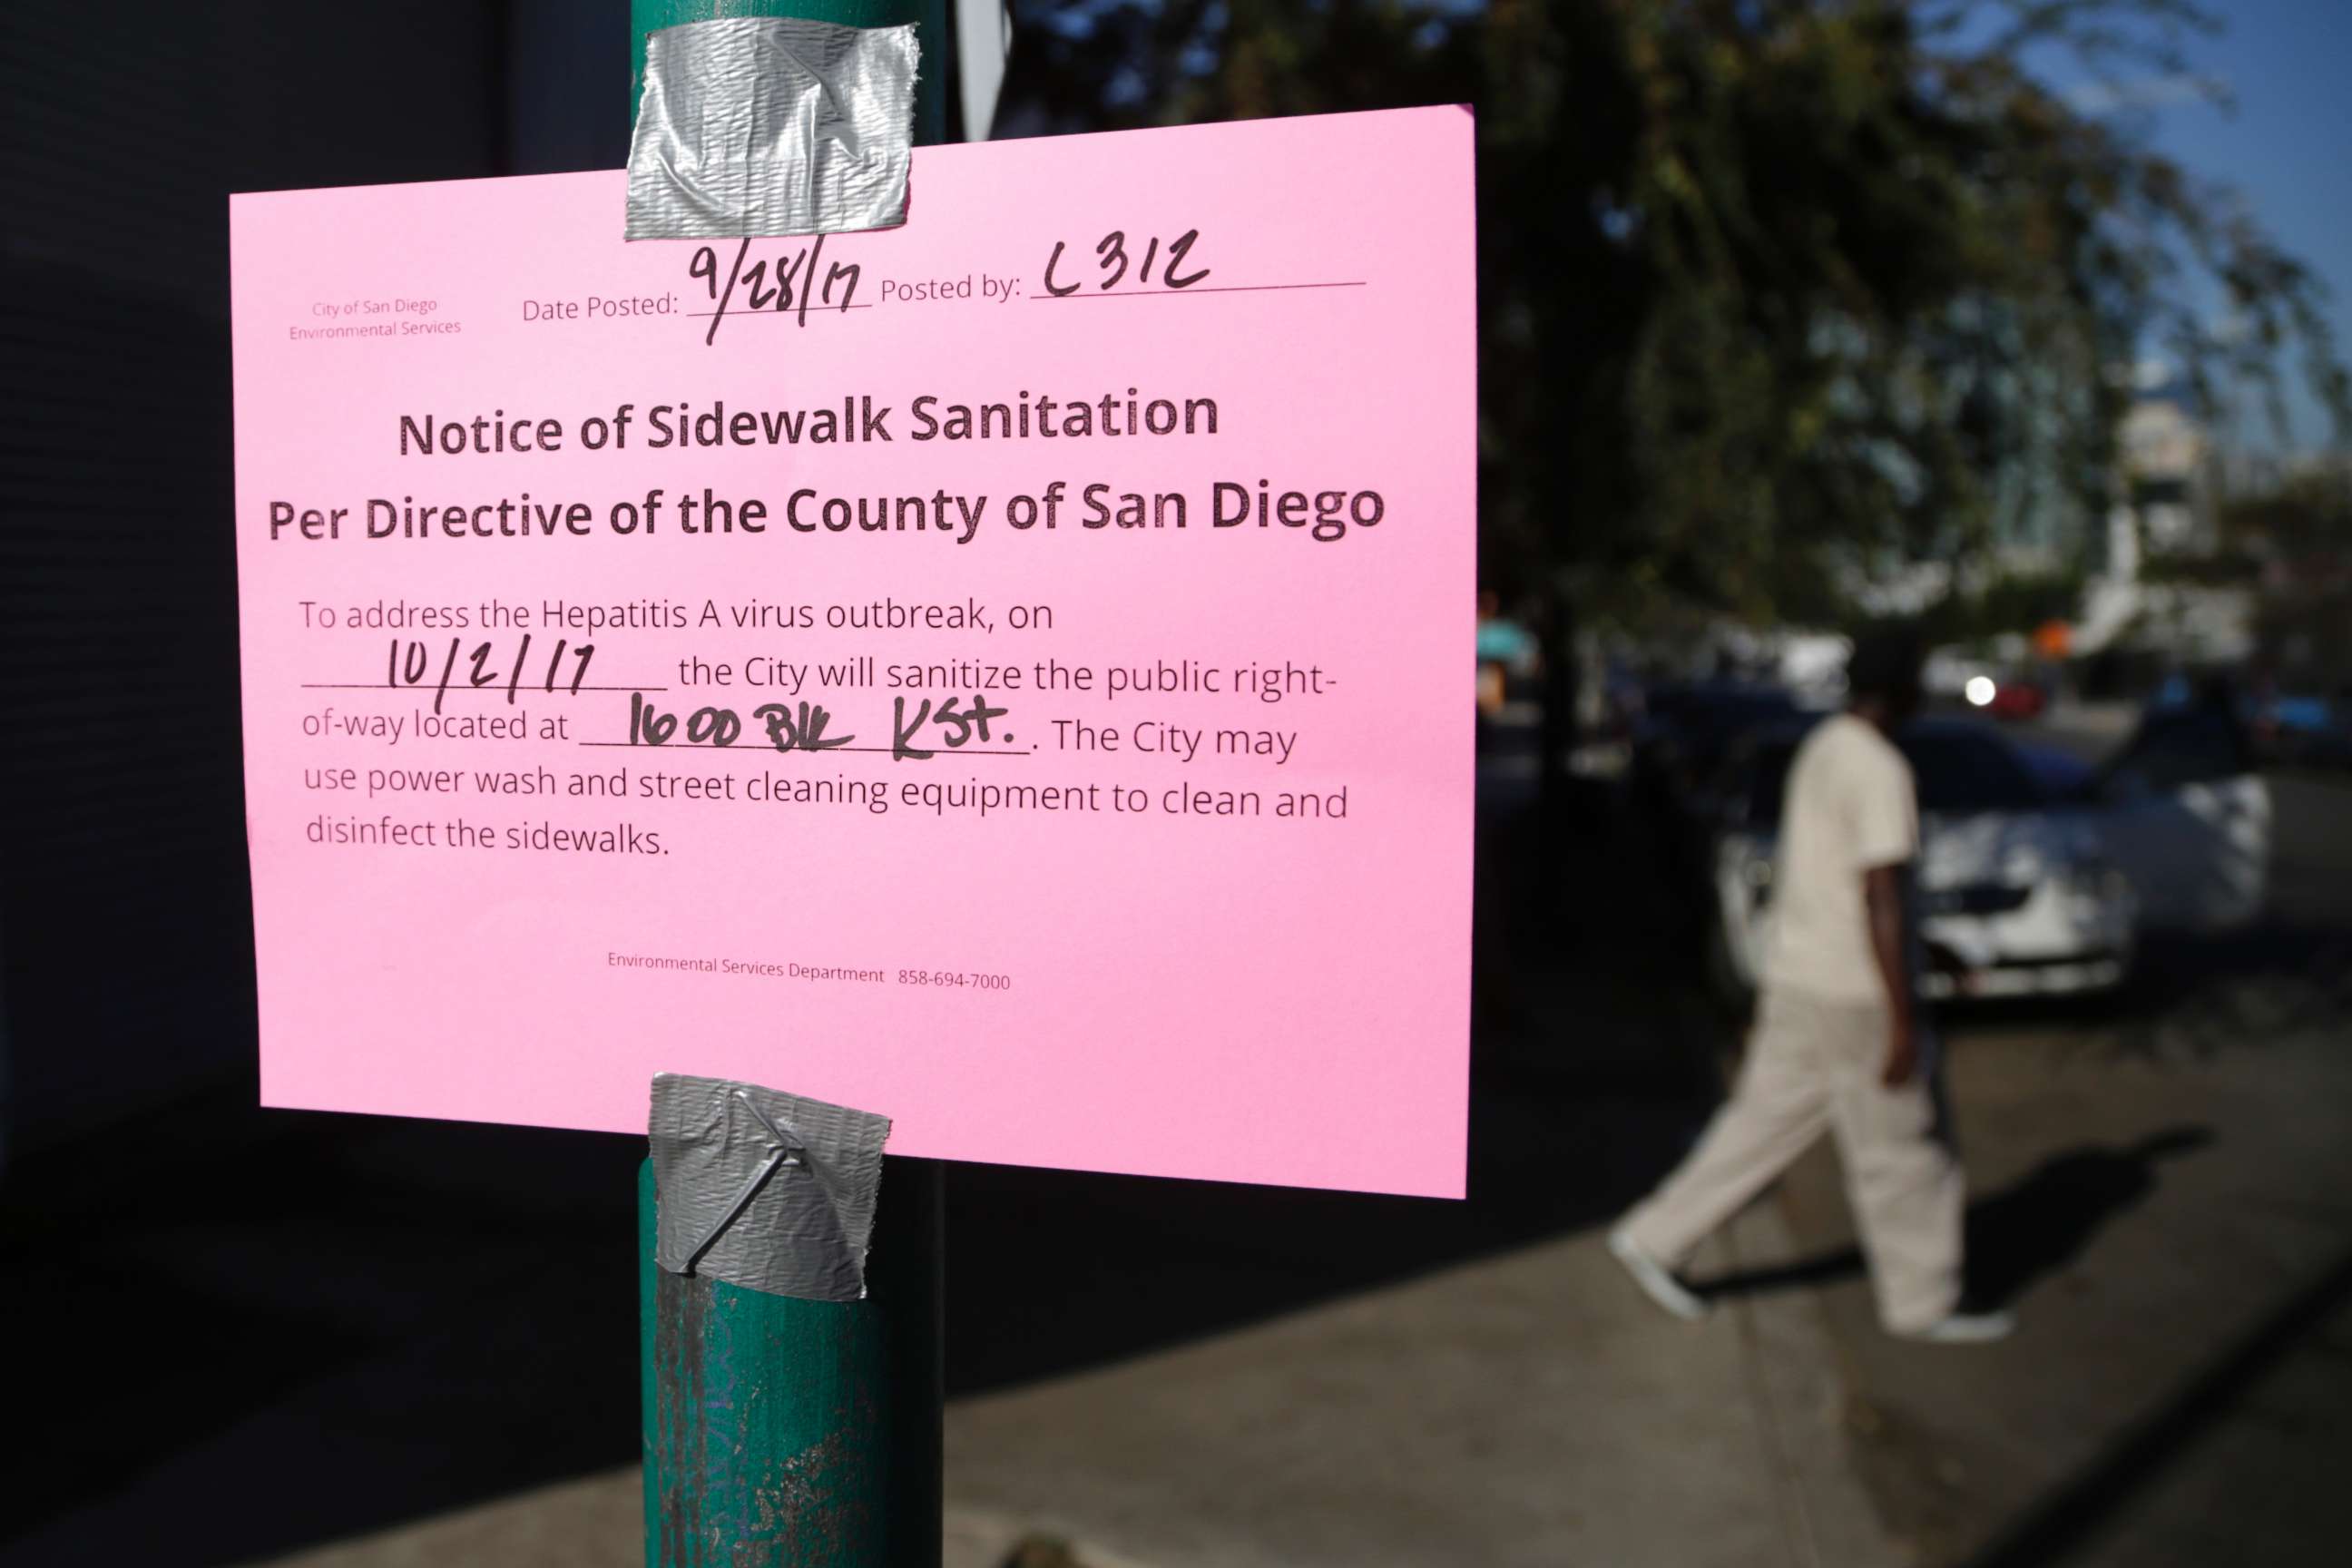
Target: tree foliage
{"type": "Point", "coordinates": [1773, 293]}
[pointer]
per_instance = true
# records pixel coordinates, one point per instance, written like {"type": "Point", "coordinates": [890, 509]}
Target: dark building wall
{"type": "Point", "coordinates": [256, 1330]}
{"type": "Point", "coordinates": [123, 897]}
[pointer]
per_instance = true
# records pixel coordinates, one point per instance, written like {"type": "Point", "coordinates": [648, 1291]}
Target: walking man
{"type": "Point", "coordinates": [1836, 1043]}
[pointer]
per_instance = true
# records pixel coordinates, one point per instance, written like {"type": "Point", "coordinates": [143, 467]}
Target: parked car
{"type": "Point", "coordinates": [2015, 696]}
{"type": "Point", "coordinates": [2304, 731]}
{"type": "Point", "coordinates": [2184, 811]}
{"type": "Point", "coordinates": [2037, 875]}
{"type": "Point", "coordinates": [2019, 698]}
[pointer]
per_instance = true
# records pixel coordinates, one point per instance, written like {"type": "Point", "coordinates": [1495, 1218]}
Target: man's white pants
{"type": "Point", "coordinates": [1815, 1063]}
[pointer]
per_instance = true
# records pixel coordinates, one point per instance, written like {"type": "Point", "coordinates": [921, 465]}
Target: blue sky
{"type": "Point", "coordinates": [2287, 144]}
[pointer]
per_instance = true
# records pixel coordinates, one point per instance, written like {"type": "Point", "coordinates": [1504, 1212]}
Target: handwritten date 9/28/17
{"type": "Point", "coordinates": [804, 727]}
{"type": "Point", "coordinates": [787, 282]}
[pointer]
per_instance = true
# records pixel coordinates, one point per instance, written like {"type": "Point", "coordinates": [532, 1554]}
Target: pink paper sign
{"type": "Point", "coordinates": [1011, 672]}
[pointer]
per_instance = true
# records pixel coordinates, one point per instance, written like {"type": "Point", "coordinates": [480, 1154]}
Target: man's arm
{"type": "Point", "coordinates": [1882, 888]}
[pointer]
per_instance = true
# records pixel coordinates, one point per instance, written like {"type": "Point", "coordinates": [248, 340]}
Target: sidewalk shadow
{"type": "Point", "coordinates": [2017, 1236]}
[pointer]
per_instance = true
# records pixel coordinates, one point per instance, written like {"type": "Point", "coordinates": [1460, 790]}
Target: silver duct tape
{"type": "Point", "coordinates": [772, 125]}
{"type": "Point", "coordinates": [764, 1190]}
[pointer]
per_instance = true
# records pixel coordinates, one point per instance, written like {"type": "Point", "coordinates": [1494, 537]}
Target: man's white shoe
{"type": "Point", "coordinates": [1657, 1281]}
{"type": "Point", "coordinates": [1966, 1329]}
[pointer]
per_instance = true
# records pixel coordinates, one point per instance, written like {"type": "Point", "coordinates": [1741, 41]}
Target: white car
{"type": "Point", "coordinates": [2036, 875]}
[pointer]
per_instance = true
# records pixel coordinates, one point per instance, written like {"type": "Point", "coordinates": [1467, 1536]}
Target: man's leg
{"type": "Point", "coordinates": [1906, 1187]}
{"type": "Point", "coordinates": [1778, 1107]}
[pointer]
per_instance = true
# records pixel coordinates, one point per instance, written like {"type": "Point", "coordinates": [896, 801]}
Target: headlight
{"type": "Point", "coordinates": [1980, 690]}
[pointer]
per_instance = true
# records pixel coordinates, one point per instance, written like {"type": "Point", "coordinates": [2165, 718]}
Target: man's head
{"type": "Point", "coordinates": [1881, 679]}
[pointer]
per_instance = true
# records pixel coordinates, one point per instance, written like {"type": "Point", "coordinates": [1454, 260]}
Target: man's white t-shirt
{"type": "Point", "coordinates": [1849, 808]}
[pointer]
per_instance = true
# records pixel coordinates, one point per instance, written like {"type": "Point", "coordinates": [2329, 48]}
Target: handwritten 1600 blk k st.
{"type": "Point", "coordinates": [801, 727]}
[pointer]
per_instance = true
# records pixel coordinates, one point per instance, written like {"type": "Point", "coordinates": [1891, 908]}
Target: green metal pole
{"type": "Point", "coordinates": [779, 1431]}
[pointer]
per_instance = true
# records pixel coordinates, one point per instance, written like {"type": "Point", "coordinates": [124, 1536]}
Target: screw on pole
{"type": "Point", "coordinates": [777, 1430]}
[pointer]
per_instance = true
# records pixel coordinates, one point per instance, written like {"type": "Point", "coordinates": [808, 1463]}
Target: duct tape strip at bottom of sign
{"type": "Point", "coordinates": [765, 1190]}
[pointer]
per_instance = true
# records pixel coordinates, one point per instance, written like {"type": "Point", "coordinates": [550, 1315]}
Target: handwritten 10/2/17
{"type": "Point", "coordinates": [787, 283]}
{"type": "Point", "coordinates": [408, 664]}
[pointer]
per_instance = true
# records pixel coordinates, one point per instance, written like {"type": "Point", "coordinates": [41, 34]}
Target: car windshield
{"type": "Point", "coordinates": [1960, 774]}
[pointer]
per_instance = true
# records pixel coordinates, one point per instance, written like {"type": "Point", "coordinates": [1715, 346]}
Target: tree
{"type": "Point", "coordinates": [1773, 293]}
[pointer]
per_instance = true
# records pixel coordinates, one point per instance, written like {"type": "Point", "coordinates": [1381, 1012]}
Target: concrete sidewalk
{"type": "Point", "coordinates": [1530, 1409]}
{"type": "Point", "coordinates": [2174, 1218]}
{"type": "Point", "coordinates": [2174, 1215]}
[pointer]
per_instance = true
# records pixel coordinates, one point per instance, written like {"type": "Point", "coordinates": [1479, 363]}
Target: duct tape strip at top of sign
{"type": "Point", "coordinates": [756, 126]}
